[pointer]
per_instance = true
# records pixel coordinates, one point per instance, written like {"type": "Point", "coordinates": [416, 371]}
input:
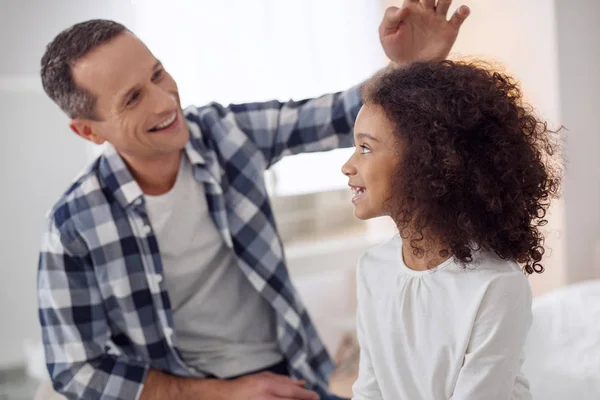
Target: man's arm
{"type": "Point", "coordinates": [279, 129]}
{"type": "Point", "coordinates": [159, 386]}
{"type": "Point", "coordinates": [76, 334]}
{"type": "Point", "coordinates": [74, 327]}
{"type": "Point", "coordinates": [419, 31]}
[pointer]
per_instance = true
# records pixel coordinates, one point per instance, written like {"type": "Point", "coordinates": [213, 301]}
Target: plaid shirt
{"type": "Point", "coordinates": [103, 305]}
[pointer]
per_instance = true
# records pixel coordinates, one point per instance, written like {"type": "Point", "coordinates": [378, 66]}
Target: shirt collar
{"type": "Point", "coordinates": [118, 179]}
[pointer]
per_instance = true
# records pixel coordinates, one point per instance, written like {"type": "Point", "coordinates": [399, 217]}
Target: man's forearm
{"type": "Point", "coordinates": [161, 386]}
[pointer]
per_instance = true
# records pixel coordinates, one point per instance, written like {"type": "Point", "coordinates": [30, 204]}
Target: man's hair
{"type": "Point", "coordinates": [62, 53]}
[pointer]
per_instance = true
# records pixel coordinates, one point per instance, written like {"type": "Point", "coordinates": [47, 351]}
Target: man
{"type": "Point", "coordinates": [161, 272]}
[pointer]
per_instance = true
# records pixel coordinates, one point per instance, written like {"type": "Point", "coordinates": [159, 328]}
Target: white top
{"type": "Point", "coordinates": [223, 326]}
{"type": "Point", "coordinates": [446, 333]}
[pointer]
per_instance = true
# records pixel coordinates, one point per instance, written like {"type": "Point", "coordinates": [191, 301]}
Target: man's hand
{"type": "Point", "coordinates": [419, 30]}
{"type": "Point", "coordinates": [262, 386]}
{"type": "Point", "coordinates": [268, 386]}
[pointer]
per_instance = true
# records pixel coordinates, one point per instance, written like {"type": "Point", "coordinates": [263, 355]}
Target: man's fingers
{"type": "Point", "coordinates": [392, 18]}
{"type": "Point", "coordinates": [285, 379]}
{"type": "Point", "coordinates": [402, 14]}
{"type": "Point", "coordinates": [286, 387]}
{"type": "Point", "coordinates": [294, 392]}
{"type": "Point", "coordinates": [442, 7]}
{"type": "Point", "coordinates": [295, 398]}
{"type": "Point", "coordinates": [459, 16]}
{"type": "Point", "coordinates": [396, 15]}
{"type": "Point", "coordinates": [428, 3]}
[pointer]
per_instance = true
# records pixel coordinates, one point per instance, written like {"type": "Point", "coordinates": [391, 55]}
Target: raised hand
{"type": "Point", "coordinates": [420, 30]}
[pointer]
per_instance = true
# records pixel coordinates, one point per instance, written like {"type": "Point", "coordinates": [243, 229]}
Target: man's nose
{"type": "Point", "coordinates": [163, 100]}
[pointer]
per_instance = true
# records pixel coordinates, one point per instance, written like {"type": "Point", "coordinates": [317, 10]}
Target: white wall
{"type": "Point", "coordinates": [521, 36]}
{"type": "Point", "coordinates": [552, 47]}
{"type": "Point", "coordinates": [578, 33]}
{"type": "Point", "coordinates": [39, 155]}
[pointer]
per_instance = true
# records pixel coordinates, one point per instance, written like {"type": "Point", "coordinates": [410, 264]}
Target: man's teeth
{"type": "Point", "coordinates": [165, 123]}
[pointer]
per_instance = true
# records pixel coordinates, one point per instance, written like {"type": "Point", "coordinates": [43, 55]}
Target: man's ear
{"type": "Point", "coordinates": [85, 129]}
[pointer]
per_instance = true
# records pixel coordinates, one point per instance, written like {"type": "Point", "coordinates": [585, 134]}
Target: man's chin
{"type": "Point", "coordinates": [181, 138]}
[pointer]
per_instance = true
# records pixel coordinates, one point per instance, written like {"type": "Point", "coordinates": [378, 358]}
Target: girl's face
{"type": "Point", "coordinates": [371, 168]}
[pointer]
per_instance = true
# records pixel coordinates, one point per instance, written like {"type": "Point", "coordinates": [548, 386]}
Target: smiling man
{"type": "Point", "coordinates": [161, 273]}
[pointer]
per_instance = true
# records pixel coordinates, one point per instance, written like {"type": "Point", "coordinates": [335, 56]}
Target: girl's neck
{"type": "Point", "coordinates": [430, 255]}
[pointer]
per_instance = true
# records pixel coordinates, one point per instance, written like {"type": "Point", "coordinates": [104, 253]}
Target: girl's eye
{"type": "Point", "coordinates": [364, 149]}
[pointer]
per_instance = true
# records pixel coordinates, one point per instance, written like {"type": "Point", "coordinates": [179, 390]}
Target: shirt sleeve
{"type": "Point", "coordinates": [366, 386]}
{"type": "Point", "coordinates": [280, 129]}
{"type": "Point", "coordinates": [491, 368]}
{"type": "Point", "coordinates": [74, 328]}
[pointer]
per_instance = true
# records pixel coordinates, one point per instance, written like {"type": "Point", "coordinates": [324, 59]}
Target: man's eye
{"type": "Point", "coordinates": [133, 98]}
{"type": "Point", "coordinates": [157, 74]}
{"type": "Point", "coordinates": [364, 149]}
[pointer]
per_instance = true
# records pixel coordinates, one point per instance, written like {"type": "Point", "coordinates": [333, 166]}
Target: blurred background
{"type": "Point", "coordinates": [251, 50]}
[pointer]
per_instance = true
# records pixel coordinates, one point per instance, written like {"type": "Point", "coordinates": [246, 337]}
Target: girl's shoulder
{"type": "Point", "coordinates": [385, 262]}
{"type": "Point", "coordinates": [383, 257]}
{"type": "Point", "coordinates": [492, 276]}
{"type": "Point", "coordinates": [380, 260]}
{"type": "Point", "coordinates": [489, 266]}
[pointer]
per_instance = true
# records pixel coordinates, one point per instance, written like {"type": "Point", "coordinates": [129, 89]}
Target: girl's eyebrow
{"type": "Point", "coordinates": [366, 136]}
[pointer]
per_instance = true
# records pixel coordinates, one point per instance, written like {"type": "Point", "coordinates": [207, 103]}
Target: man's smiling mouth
{"type": "Point", "coordinates": [165, 124]}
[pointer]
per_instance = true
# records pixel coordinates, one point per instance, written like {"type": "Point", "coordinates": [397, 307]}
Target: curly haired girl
{"type": "Point", "coordinates": [467, 171]}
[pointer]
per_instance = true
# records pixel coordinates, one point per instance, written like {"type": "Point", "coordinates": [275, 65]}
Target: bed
{"type": "Point", "coordinates": [563, 347]}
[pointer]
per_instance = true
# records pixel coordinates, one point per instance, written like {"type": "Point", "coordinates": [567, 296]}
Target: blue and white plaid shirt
{"type": "Point", "coordinates": [103, 306]}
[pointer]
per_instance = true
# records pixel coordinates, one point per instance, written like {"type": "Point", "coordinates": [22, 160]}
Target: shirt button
{"type": "Point", "coordinates": [147, 229]}
{"type": "Point", "coordinates": [155, 281]}
{"type": "Point", "coordinates": [169, 336]}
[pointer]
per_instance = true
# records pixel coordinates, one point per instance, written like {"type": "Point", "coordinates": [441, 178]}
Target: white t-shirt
{"type": "Point", "coordinates": [223, 326]}
{"type": "Point", "coordinates": [446, 333]}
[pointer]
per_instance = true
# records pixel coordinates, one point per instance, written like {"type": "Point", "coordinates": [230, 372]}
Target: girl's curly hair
{"type": "Point", "coordinates": [477, 168]}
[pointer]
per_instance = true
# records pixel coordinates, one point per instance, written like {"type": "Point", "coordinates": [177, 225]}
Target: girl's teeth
{"type": "Point", "coordinates": [357, 191]}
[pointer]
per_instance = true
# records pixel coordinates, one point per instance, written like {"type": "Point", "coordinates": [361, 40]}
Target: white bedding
{"type": "Point", "coordinates": [563, 347]}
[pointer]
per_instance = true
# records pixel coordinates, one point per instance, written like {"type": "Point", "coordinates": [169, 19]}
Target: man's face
{"type": "Point", "coordinates": [137, 101]}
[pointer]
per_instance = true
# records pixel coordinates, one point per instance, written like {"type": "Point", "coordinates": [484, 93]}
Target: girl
{"type": "Point", "coordinates": [463, 167]}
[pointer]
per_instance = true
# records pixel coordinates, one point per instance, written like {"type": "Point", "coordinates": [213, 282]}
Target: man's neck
{"type": "Point", "coordinates": [155, 176]}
